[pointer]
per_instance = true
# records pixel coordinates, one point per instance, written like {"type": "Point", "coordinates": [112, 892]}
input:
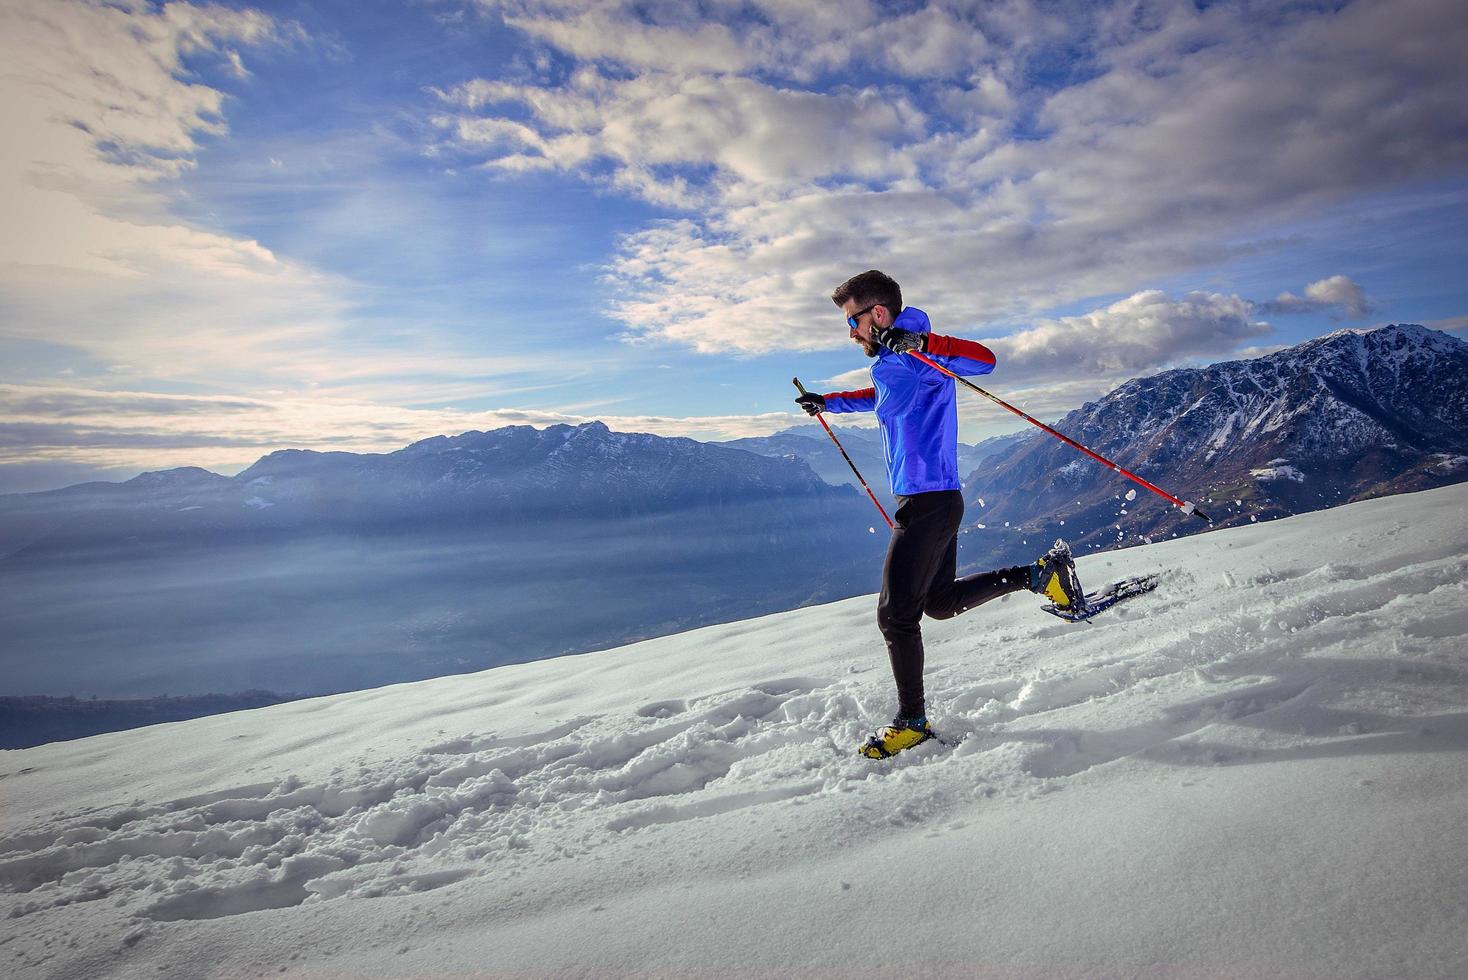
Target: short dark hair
{"type": "Point", "coordinates": [871, 288]}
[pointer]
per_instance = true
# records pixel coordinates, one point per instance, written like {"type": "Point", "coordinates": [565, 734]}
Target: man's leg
{"type": "Point", "coordinates": [948, 596]}
{"type": "Point", "coordinates": [925, 525]}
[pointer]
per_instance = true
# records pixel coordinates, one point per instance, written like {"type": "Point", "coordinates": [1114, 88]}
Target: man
{"type": "Point", "coordinates": [918, 416]}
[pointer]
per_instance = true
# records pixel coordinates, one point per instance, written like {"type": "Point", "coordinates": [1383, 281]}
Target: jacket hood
{"type": "Point", "coordinates": [914, 319]}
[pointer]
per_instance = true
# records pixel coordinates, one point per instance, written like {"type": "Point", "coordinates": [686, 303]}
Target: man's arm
{"type": "Point", "coordinates": [960, 356]}
{"type": "Point", "coordinates": [861, 400]}
{"type": "Point", "coordinates": [954, 353]}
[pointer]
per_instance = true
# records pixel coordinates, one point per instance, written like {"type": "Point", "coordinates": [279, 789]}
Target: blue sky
{"type": "Point", "coordinates": [236, 228]}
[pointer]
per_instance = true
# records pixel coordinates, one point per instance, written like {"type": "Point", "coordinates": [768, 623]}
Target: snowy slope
{"type": "Point", "coordinates": [1261, 770]}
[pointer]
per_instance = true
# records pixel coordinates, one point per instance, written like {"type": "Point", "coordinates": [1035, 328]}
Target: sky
{"type": "Point", "coordinates": [231, 228]}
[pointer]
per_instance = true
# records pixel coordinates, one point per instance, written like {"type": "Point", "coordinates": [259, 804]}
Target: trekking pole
{"type": "Point", "coordinates": [1187, 508]}
{"type": "Point", "coordinates": [849, 463]}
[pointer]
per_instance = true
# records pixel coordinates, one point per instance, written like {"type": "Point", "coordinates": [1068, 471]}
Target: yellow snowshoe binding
{"type": "Point", "coordinates": [1053, 575]}
{"type": "Point", "coordinates": [903, 733]}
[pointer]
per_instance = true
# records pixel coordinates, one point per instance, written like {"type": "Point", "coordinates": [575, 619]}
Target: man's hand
{"type": "Point", "coordinates": [900, 341]}
{"type": "Point", "coordinates": [812, 403]}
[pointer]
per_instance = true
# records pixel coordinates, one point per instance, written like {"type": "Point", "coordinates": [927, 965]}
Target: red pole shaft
{"type": "Point", "coordinates": [1187, 508]}
{"type": "Point", "coordinates": [821, 419]}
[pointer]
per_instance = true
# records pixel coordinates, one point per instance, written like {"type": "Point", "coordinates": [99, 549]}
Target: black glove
{"type": "Point", "coordinates": [812, 403]}
{"type": "Point", "coordinates": [900, 341]}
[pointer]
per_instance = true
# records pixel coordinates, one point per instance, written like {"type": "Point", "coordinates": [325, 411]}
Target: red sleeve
{"type": "Point", "coordinates": [863, 400]}
{"type": "Point", "coordinates": [958, 347]}
{"type": "Point", "coordinates": [860, 394]}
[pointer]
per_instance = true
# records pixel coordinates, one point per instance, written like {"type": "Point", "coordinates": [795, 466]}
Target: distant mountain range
{"type": "Point", "coordinates": [315, 572]}
{"type": "Point", "coordinates": [1343, 417]}
{"type": "Point", "coordinates": [864, 445]}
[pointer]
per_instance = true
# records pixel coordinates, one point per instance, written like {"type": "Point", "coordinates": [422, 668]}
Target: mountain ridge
{"type": "Point", "coordinates": [1335, 419]}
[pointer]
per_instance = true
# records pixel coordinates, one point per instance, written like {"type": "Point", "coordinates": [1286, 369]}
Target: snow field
{"type": "Point", "coordinates": [1257, 770]}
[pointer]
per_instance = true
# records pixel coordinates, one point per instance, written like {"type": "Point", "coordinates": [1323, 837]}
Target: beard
{"type": "Point", "coordinates": [872, 348]}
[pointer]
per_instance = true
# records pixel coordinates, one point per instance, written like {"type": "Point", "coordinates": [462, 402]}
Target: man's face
{"type": "Point", "coordinates": [868, 319]}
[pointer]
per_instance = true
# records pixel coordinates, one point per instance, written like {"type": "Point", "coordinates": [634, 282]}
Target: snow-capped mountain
{"type": "Point", "coordinates": [510, 474]}
{"type": "Point", "coordinates": [586, 469]}
{"type": "Point", "coordinates": [1347, 416]}
{"type": "Point", "coordinates": [313, 572]}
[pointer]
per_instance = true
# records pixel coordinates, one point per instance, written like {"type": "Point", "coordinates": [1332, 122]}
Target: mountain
{"type": "Point", "coordinates": [315, 572]}
{"type": "Point", "coordinates": [512, 473]}
{"type": "Point", "coordinates": [1258, 772]}
{"type": "Point", "coordinates": [1348, 416]}
{"type": "Point", "coordinates": [864, 445]}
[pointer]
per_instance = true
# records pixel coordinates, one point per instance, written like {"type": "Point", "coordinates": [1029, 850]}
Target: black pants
{"type": "Point", "coordinates": [919, 576]}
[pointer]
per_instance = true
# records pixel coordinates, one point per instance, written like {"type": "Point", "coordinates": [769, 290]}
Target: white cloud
{"type": "Point", "coordinates": [1340, 291]}
{"type": "Point", "coordinates": [1249, 353]}
{"type": "Point", "coordinates": [1140, 334]}
{"type": "Point", "coordinates": [788, 39]}
{"type": "Point", "coordinates": [95, 268]}
{"type": "Point", "coordinates": [1449, 323]}
{"type": "Point", "coordinates": [103, 115]}
{"type": "Point", "coordinates": [102, 112]}
{"type": "Point", "coordinates": [609, 31]}
{"type": "Point", "coordinates": [1054, 365]}
{"type": "Point", "coordinates": [1193, 134]}
{"type": "Point", "coordinates": [651, 126]}
{"type": "Point", "coordinates": [100, 92]}
{"type": "Point", "coordinates": [1335, 293]}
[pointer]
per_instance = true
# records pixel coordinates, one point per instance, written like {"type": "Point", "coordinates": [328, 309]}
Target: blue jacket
{"type": "Point", "coordinates": [915, 407]}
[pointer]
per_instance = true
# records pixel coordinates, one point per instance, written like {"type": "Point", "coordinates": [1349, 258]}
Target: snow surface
{"type": "Point", "coordinates": [1257, 771]}
{"type": "Point", "coordinates": [1278, 473]}
{"type": "Point", "coordinates": [1448, 462]}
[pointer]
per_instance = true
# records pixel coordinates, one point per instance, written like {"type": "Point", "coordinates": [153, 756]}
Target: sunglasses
{"type": "Point", "coordinates": [851, 320]}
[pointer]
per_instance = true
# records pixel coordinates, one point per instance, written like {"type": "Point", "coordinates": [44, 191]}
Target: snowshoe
{"type": "Point", "coordinates": [1099, 601]}
{"type": "Point", "coordinates": [891, 739]}
{"type": "Point", "coordinates": [1053, 575]}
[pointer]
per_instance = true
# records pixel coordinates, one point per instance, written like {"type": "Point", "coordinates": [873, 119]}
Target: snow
{"type": "Point", "coordinates": [1257, 771]}
{"type": "Point", "coordinates": [1448, 463]}
{"type": "Point", "coordinates": [1278, 473]}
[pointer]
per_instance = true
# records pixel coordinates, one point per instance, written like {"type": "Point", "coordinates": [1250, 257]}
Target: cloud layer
{"type": "Point", "coordinates": [109, 113]}
{"type": "Point", "coordinates": [54, 425]}
{"type": "Point", "coordinates": [1137, 335]}
{"type": "Point", "coordinates": [1010, 157]}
